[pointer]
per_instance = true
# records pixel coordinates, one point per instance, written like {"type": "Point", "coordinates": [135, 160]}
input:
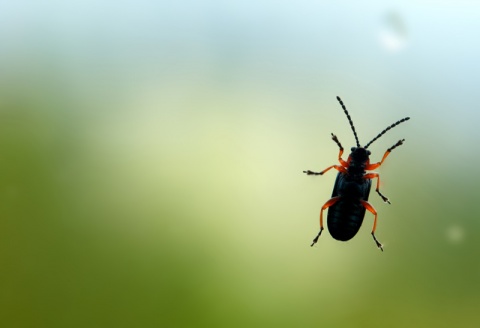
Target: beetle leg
{"type": "Point", "coordinates": [334, 138]}
{"type": "Point", "coordinates": [389, 150]}
{"type": "Point", "coordinates": [370, 208]}
{"type": "Point", "coordinates": [329, 203]}
{"type": "Point", "coordinates": [339, 168]}
{"type": "Point", "coordinates": [373, 176]}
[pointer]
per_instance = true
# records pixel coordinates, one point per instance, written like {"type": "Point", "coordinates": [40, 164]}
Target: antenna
{"type": "Point", "coordinates": [350, 120]}
{"type": "Point", "coordinates": [384, 131]}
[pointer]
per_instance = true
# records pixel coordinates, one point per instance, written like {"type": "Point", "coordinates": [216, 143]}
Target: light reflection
{"type": "Point", "coordinates": [393, 33]}
{"type": "Point", "coordinates": [455, 234]}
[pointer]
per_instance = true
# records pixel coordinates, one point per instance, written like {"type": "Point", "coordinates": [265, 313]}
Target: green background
{"type": "Point", "coordinates": [151, 158]}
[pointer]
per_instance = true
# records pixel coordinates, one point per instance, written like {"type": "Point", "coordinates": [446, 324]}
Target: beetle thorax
{"type": "Point", "coordinates": [358, 160]}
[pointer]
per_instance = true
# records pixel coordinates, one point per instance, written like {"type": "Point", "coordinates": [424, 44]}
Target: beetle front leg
{"type": "Point", "coordinates": [334, 138]}
{"type": "Point", "coordinates": [389, 150]}
{"type": "Point", "coordinates": [373, 176]}
{"type": "Point", "coordinates": [340, 168]}
{"type": "Point", "coordinates": [372, 210]}
{"type": "Point", "coordinates": [329, 203]}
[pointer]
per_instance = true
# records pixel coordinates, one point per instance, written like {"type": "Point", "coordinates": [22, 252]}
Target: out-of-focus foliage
{"type": "Point", "coordinates": [151, 158]}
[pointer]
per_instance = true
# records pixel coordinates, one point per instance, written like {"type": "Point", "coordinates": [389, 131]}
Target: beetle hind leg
{"type": "Point", "coordinates": [372, 210]}
{"type": "Point", "coordinates": [329, 203]}
{"type": "Point", "coordinates": [377, 242]}
{"type": "Point", "coordinates": [316, 238]}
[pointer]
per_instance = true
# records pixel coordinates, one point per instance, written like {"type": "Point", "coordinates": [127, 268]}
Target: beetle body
{"type": "Point", "coordinates": [346, 208]}
{"type": "Point", "coordinates": [346, 216]}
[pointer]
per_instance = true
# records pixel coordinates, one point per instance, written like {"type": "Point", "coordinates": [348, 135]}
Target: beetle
{"type": "Point", "coordinates": [346, 208]}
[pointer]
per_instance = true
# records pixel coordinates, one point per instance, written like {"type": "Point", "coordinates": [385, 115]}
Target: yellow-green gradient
{"type": "Point", "coordinates": [151, 158]}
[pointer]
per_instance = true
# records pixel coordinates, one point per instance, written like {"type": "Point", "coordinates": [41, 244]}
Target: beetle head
{"type": "Point", "coordinates": [359, 154]}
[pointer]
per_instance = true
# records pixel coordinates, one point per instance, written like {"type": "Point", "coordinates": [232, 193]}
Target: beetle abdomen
{"type": "Point", "coordinates": [345, 219]}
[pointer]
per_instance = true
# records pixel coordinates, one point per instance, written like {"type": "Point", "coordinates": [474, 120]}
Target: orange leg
{"type": "Point", "coordinates": [329, 203]}
{"type": "Point", "coordinates": [389, 150]}
{"type": "Point", "coordinates": [373, 176]}
{"type": "Point", "coordinates": [337, 167]}
{"type": "Point", "coordinates": [341, 168]}
{"type": "Point", "coordinates": [370, 208]}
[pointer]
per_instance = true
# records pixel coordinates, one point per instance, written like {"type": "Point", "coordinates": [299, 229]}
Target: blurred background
{"type": "Point", "coordinates": [151, 158]}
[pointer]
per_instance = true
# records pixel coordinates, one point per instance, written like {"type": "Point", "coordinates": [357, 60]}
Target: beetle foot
{"type": "Point", "coordinates": [385, 199]}
{"type": "Point", "coordinates": [316, 238]}
{"type": "Point", "coordinates": [308, 172]}
{"type": "Point", "coordinates": [377, 242]}
{"type": "Point", "coordinates": [334, 138]}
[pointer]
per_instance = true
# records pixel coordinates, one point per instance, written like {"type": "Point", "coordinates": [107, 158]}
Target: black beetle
{"type": "Point", "coordinates": [352, 187]}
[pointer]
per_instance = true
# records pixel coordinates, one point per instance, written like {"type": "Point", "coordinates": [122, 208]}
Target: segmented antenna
{"type": "Point", "coordinates": [384, 131]}
{"type": "Point", "coordinates": [349, 120]}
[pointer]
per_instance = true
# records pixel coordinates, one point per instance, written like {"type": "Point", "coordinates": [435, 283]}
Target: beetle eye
{"type": "Point", "coordinates": [353, 149]}
{"type": "Point", "coordinates": [368, 152]}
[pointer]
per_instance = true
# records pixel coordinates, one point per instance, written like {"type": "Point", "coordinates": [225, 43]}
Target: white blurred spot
{"type": "Point", "coordinates": [455, 234]}
{"type": "Point", "coordinates": [393, 33]}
